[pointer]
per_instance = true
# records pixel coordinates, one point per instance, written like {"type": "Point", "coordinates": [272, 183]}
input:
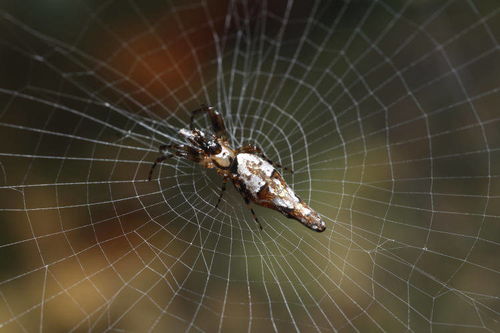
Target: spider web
{"type": "Point", "coordinates": [386, 110]}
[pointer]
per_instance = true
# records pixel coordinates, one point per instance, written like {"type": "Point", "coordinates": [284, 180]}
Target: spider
{"type": "Point", "coordinates": [252, 173]}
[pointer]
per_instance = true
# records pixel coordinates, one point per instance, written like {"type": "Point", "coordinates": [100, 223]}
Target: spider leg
{"type": "Point", "coordinates": [218, 125]}
{"type": "Point", "coordinates": [188, 152]}
{"type": "Point", "coordinates": [252, 149]}
{"type": "Point", "coordinates": [223, 189]}
{"type": "Point", "coordinates": [158, 160]}
{"type": "Point", "coordinates": [253, 213]}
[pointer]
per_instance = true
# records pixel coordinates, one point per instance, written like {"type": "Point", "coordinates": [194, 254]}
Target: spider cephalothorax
{"type": "Point", "coordinates": [252, 173]}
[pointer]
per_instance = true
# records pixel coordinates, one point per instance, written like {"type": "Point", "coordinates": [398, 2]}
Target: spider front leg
{"type": "Point", "coordinates": [215, 117]}
{"type": "Point", "coordinates": [159, 159]}
{"type": "Point", "coordinates": [188, 152]}
{"type": "Point", "coordinates": [252, 149]}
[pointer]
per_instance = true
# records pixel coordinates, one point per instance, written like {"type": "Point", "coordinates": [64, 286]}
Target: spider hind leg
{"type": "Point", "coordinates": [253, 213]}
{"type": "Point", "coordinates": [223, 189]}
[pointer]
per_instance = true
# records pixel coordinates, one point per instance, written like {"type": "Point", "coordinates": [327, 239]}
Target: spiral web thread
{"type": "Point", "coordinates": [386, 110]}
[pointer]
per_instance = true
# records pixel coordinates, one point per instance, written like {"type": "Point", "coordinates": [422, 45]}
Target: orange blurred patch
{"type": "Point", "coordinates": [166, 65]}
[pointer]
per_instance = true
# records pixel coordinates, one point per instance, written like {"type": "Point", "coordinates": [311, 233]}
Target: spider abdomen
{"type": "Point", "coordinates": [266, 187]}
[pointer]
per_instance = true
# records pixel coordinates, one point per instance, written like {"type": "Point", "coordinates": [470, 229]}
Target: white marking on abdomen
{"type": "Point", "coordinates": [249, 168]}
{"type": "Point", "coordinates": [284, 196]}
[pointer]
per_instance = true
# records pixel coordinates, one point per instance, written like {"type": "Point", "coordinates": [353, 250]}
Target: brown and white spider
{"type": "Point", "coordinates": [252, 173]}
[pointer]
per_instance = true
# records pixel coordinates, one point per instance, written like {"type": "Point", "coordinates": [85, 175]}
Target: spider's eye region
{"type": "Point", "coordinates": [213, 148]}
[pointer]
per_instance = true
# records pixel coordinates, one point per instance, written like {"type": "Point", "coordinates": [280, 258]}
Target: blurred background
{"type": "Point", "coordinates": [387, 111]}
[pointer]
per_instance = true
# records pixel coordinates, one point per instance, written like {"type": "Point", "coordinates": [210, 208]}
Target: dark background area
{"type": "Point", "coordinates": [386, 110]}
